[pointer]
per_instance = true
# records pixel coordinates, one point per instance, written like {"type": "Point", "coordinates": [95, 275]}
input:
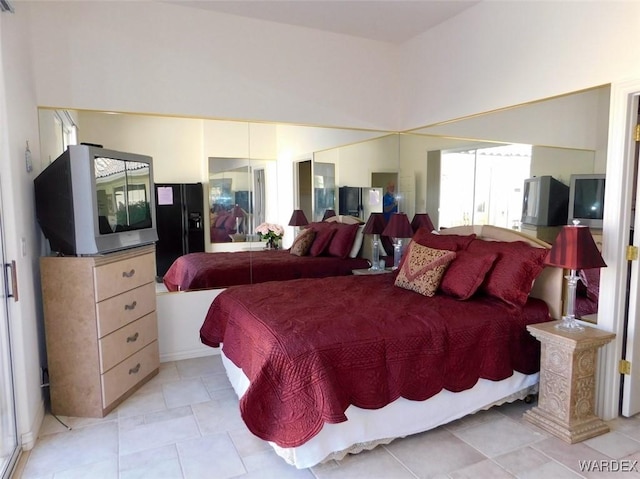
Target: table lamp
{"type": "Point", "coordinates": [298, 219]}
{"type": "Point", "coordinates": [398, 228]}
{"type": "Point", "coordinates": [573, 249]}
{"type": "Point", "coordinates": [375, 226]}
{"type": "Point", "coordinates": [421, 220]}
{"type": "Point", "coordinates": [328, 214]}
{"type": "Point", "coordinates": [238, 214]}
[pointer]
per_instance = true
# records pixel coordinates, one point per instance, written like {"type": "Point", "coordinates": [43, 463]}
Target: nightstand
{"type": "Point", "coordinates": [366, 271]}
{"type": "Point", "coordinates": [566, 401]}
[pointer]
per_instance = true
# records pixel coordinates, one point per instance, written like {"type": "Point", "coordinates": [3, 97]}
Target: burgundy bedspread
{"type": "Point", "coordinates": [219, 270]}
{"type": "Point", "coordinates": [311, 348]}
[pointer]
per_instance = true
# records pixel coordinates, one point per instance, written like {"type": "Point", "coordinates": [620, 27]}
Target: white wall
{"type": "Point", "coordinates": [499, 53]}
{"type": "Point", "coordinates": [18, 124]}
{"type": "Point", "coordinates": [158, 57]}
{"type": "Point", "coordinates": [175, 144]}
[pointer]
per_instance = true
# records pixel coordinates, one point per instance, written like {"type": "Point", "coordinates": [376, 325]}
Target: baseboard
{"type": "Point", "coordinates": [190, 354]}
{"type": "Point", "coordinates": [28, 439]}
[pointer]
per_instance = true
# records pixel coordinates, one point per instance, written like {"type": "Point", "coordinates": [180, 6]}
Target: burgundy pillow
{"type": "Point", "coordinates": [220, 219]}
{"type": "Point", "coordinates": [466, 273]}
{"type": "Point", "coordinates": [513, 272]}
{"type": "Point", "coordinates": [321, 241]}
{"type": "Point", "coordinates": [449, 242]}
{"type": "Point", "coordinates": [342, 240]}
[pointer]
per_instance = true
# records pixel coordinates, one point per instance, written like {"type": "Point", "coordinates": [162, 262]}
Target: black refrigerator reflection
{"type": "Point", "coordinates": [179, 222]}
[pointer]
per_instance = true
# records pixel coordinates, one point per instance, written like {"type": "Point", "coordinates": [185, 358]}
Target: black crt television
{"type": "Point", "coordinates": [586, 199]}
{"type": "Point", "coordinates": [545, 201]}
{"type": "Point", "coordinates": [91, 200]}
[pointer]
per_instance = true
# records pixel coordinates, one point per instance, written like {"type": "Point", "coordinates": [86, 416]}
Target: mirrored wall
{"type": "Point", "coordinates": [255, 172]}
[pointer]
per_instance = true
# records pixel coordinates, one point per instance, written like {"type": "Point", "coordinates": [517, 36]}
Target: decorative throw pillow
{"type": "Point", "coordinates": [449, 242]}
{"type": "Point", "coordinates": [423, 268]}
{"type": "Point", "coordinates": [321, 241]}
{"type": "Point", "coordinates": [466, 273]}
{"type": "Point", "coordinates": [302, 243]}
{"type": "Point", "coordinates": [342, 240]}
{"type": "Point", "coordinates": [517, 266]}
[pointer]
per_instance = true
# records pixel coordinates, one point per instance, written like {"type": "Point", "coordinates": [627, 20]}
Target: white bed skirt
{"type": "Point", "coordinates": [367, 428]}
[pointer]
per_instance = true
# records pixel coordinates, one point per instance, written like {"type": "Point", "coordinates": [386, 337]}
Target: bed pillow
{"type": "Point", "coordinates": [357, 242]}
{"type": "Point", "coordinates": [513, 272]}
{"type": "Point", "coordinates": [449, 242]}
{"type": "Point", "coordinates": [302, 244]}
{"type": "Point", "coordinates": [342, 240]}
{"type": "Point", "coordinates": [220, 219]}
{"type": "Point", "coordinates": [321, 241]}
{"type": "Point", "coordinates": [466, 273]}
{"type": "Point", "coordinates": [423, 268]}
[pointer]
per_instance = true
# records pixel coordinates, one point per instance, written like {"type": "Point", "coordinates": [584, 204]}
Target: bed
{"type": "Point", "coordinates": [330, 248]}
{"type": "Point", "coordinates": [362, 361]}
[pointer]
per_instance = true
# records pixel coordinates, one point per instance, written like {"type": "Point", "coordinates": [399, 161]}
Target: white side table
{"type": "Point", "coordinates": [566, 401]}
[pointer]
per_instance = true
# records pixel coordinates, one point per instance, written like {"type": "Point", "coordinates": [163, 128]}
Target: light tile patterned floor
{"type": "Point", "coordinates": [185, 424]}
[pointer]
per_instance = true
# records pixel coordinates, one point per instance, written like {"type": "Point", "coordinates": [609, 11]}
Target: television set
{"type": "Point", "coordinates": [545, 201]}
{"type": "Point", "coordinates": [586, 199]}
{"type": "Point", "coordinates": [91, 200]}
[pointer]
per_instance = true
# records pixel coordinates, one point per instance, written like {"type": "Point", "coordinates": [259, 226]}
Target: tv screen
{"type": "Point", "coordinates": [91, 200]}
{"type": "Point", "coordinates": [586, 199]}
{"type": "Point", "coordinates": [544, 201]}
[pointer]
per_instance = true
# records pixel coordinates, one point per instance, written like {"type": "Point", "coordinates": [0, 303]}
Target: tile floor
{"type": "Point", "coordinates": [185, 424]}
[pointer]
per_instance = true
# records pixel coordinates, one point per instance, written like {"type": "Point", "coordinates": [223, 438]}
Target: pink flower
{"type": "Point", "coordinates": [270, 230]}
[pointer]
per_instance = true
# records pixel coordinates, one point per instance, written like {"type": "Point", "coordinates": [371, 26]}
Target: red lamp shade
{"type": "Point", "coordinates": [375, 224]}
{"type": "Point", "coordinates": [398, 226]}
{"type": "Point", "coordinates": [575, 249]}
{"type": "Point", "coordinates": [421, 219]}
{"type": "Point", "coordinates": [298, 219]}
{"type": "Point", "coordinates": [328, 214]}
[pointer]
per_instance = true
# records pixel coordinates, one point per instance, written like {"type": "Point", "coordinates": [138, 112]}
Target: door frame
{"type": "Point", "coordinates": [616, 227]}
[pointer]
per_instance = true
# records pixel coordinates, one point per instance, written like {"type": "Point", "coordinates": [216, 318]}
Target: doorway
{"type": "Point", "coordinates": [8, 432]}
{"type": "Point", "coordinates": [304, 187]}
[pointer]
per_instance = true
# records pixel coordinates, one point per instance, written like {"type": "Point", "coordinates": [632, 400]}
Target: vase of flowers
{"type": "Point", "coordinates": [271, 233]}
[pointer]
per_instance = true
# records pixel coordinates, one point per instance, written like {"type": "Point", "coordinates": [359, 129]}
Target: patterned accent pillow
{"type": "Point", "coordinates": [302, 243]}
{"type": "Point", "coordinates": [423, 268]}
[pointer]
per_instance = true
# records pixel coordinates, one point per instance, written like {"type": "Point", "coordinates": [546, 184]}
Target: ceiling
{"type": "Point", "coordinates": [391, 21]}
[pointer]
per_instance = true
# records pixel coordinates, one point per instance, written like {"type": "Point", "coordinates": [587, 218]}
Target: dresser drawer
{"type": "Point", "coordinates": [116, 312]}
{"type": "Point", "coordinates": [124, 342]}
{"type": "Point", "coordinates": [114, 278]}
{"type": "Point", "coordinates": [128, 373]}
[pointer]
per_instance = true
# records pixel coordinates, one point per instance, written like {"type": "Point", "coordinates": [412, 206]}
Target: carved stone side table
{"type": "Point", "coordinates": [566, 401]}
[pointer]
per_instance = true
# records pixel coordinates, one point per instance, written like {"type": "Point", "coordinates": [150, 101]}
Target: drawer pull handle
{"type": "Point", "coordinates": [135, 370]}
{"type": "Point", "coordinates": [130, 307]}
{"type": "Point", "coordinates": [129, 274]}
{"type": "Point", "coordinates": [133, 339]}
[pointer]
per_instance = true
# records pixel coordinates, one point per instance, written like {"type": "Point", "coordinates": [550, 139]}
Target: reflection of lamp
{"type": "Point", "coordinates": [398, 228]}
{"type": "Point", "coordinates": [238, 214]}
{"type": "Point", "coordinates": [421, 220]}
{"type": "Point", "coordinates": [298, 218]}
{"type": "Point", "coordinates": [328, 214]}
{"type": "Point", "coordinates": [375, 226]}
{"type": "Point", "coordinates": [573, 249]}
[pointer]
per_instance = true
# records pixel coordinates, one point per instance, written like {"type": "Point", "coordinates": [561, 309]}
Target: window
{"type": "Point", "coordinates": [483, 185]}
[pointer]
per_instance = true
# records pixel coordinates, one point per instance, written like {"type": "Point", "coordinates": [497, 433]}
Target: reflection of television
{"type": "Point", "coordinates": [91, 200]}
{"type": "Point", "coordinates": [544, 201]}
{"type": "Point", "coordinates": [586, 199]}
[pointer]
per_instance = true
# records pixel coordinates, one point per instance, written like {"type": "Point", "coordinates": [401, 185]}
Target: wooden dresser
{"type": "Point", "coordinates": [101, 328]}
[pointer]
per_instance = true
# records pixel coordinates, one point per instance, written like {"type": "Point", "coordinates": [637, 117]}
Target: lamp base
{"type": "Point", "coordinates": [569, 324]}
